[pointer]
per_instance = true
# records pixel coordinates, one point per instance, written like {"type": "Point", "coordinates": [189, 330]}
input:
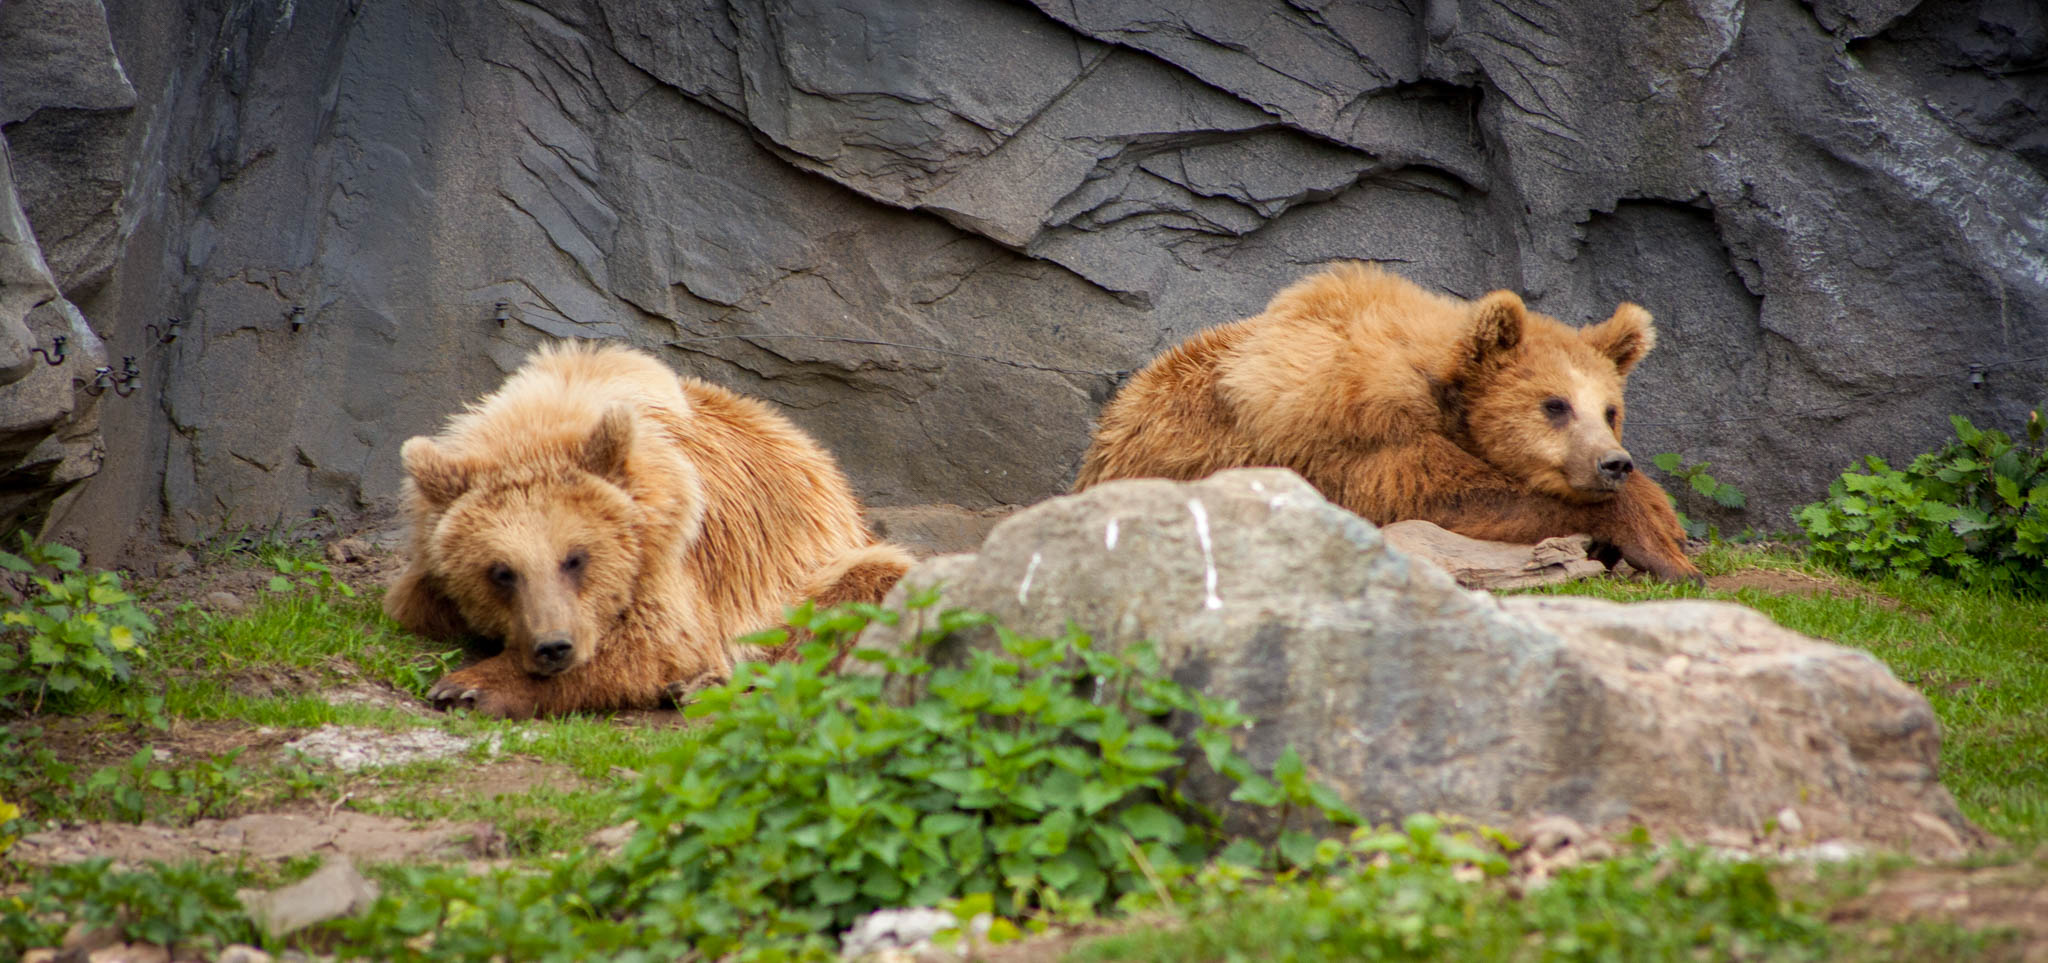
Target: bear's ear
{"type": "Point", "coordinates": [604, 452]}
{"type": "Point", "coordinates": [439, 478]}
{"type": "Point", "coordinates": [1496, 326]}
{"type": "Point", "coordinates": [1624, 338]}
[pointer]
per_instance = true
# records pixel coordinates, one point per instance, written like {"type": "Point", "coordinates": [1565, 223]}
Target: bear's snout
{"type": "Point", "coordinates": [553, 653]}
{"type": "Point", "coordinates": [1615, 467]}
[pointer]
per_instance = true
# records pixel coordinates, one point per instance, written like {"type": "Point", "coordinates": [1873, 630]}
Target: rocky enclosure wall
{"type": "Point", "coordinates": [939, 232]}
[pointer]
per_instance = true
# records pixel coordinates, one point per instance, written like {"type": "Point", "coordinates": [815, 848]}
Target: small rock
{"type": "Point", "coordinates": [342, 551]}
{"type": "Point", "coordinates": [894, 929]}
{"type": "Point", "coordinates": [358, 747]}
{"type": "Point", "coordinates": [82, 941]}
{"type": "Point", "coordinates": [242, 953]}
{"type": "Point", "coordinates": [226, 603]}
{"type": "Point", "coordinates": [1832, 851]}
{"type": "Point", "coordinates": [177, 563]}
{"type": "Point", "coordinates": [1548, 834]}
{"type": "Point", "coordinates": [130, 953]}
{"type": "Point", "coordinates": [337, 890]}
{"type": "Point", "coordinates": [611, 839]}
{"type": "Point", "coordinates": [1789, 822]}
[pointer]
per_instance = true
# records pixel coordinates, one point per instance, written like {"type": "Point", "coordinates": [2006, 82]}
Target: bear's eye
{"type": "Point", "coordinates": [573, 564]}
{"type": "Point", "coordinates": [1612, 414]}
{"type": "Point", "coordinates": [503, 576]}
{"type": "Point", "coordinates": [1557, 408]}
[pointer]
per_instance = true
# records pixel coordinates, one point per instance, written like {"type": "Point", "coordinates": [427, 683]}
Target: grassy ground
{"type": "Point", "coordinates": [197, 736]}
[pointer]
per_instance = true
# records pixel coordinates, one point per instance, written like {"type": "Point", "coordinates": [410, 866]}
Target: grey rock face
{"type": "Point", "coordinates": [940, 233]}
{"type": "Point", "coordinates": [1407, 693]}
{"type": "Point", "coordinates": [63, 98]}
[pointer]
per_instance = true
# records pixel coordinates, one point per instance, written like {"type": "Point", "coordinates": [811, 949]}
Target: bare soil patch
{"type": "Point", "coordinates": [101, 741]}
{"type": "Point", "coordinates": [1785, 582]}
{"type": "Point", "coordinates": [264, 837]}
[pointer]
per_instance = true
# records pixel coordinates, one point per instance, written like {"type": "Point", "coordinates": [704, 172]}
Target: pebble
{"type": "Point", "coordinates": [342, 551]}
{"type": "Point", "coordinates": [226, 603]}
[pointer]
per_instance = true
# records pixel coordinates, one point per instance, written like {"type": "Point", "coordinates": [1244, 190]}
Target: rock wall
{"type": "Point", "coordinates": [939, 233]}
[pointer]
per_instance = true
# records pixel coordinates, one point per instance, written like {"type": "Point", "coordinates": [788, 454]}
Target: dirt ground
{"type": "Point", "coordinates": [1781, 582]}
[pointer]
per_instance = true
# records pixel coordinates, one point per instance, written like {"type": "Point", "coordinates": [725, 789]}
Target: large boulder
{"type": "Point", "coordinates": [1408, 693]}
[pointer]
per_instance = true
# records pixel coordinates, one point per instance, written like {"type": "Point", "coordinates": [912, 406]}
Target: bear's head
{"type": "Point", "coordinates": [1542, 400]}
{"type": "Point", "coordinates": [544, 557]}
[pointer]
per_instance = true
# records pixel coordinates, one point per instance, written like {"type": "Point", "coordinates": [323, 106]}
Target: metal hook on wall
{"type": "Point", "coordinates": [167, 334]}
{"type": "Point", "coordinates": [54, 356]}
{"type": "Point", "coordinates": [103, 377]}
{"type": "Point", "coordinates": [504, 313]}
{"type": "Point", "coordinates": [298, 317]}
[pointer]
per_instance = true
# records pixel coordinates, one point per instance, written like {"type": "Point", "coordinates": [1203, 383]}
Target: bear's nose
{"type": "Point", "coordinates": [1616, 466]}
{"type": "Point", "coordinates": [551, 654]}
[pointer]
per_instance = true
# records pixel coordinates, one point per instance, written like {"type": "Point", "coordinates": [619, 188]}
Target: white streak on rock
{"type": "Point", "coordinates": [1208, 554]}
{"type": "Point", "coordinates": [1024, 588]}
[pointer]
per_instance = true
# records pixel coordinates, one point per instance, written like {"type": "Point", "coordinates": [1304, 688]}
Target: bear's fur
{"type": "Point", "coordinates": [1482, 416]}
{"type": "Point", "coordinates": [615, 526]}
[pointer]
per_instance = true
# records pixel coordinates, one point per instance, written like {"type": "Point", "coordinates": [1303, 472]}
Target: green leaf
{"type": "Point", "coordinates": [279, 583]}
{"type": "Point", "coordinates": [1258, 791]}
{"type": "Point", "coordinates": [63, 558]}
{"type": "Point", "coordinates": [1147, 821]}
{"type": "Point", "coordinates": [1096, 794]}
{"type": "Point", "coordinates": [1667, 462]}
{"type": "Point", "coordinates": [15, 563]}
{"type": "Point", "coordinates": [832, 889]}
{"type": "Point", "coordinates": [2009, 491]}
{"type": "Point", "coordinates": [1298, 848]}
{"type": "Point", "coordinates": [1060, 873]}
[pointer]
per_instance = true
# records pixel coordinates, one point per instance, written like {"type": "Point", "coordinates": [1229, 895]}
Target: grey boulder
{"type": "Point", "coordinates": [1408, 694]}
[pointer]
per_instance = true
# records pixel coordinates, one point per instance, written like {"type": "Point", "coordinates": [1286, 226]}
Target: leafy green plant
{"type": "Point", "coordinates": [1976, 510]}
{"type": "Point", "coordinates": [1041, 774]}
{"type": "Point", "coordinates": [1696, 477]}
{"type": "Point", "coordinates": [419, 673]}
{"type": "Point", "coordinates": [297, 572]}
{"type": "Point", "coordinates": [139, 789]}
{"type": "Point", "coordinates": [187, 908]}
{"type": "Point", "coordinates": [77, 633]}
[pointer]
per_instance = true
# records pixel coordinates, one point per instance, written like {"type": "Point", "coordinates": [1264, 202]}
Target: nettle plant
{"type": "Point", "coordinates": [1976, 510]}
{"type": "Point", "coordinates": [74, 632]}
{"type": "Point", "coordinates": [1040, 776]}
{"type": "Point", "coordinates": [1040, 772]}
{"type": "Point", "coordinates": [1696, 477]}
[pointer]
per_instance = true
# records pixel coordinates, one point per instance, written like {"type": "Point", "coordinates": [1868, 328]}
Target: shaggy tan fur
{"type": "Point", "coordinates": [616, 526]}
{"type": "Point", "coordinates": [1482, 416]}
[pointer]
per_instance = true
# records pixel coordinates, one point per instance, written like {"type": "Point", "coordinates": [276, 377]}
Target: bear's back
{"type": "Point", "coordinates": [775, 504]}
{"type": "Point", "coordinates": [545, 411]}
{"type": "Point", "coordinates": [1353, 354]}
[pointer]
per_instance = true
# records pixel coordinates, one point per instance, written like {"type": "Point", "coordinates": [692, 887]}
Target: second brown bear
{"type": "Point", "coordinates": [1482, 416]}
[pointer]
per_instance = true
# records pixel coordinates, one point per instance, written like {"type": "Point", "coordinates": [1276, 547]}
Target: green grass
{"type": "Point", "coordinates": [1981, 659]}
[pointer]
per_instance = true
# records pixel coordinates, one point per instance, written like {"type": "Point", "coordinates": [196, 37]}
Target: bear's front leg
{"type": "Point", "coordinates": [495, 687]}
{"type": "Point", "coordinates": [1642, 525]}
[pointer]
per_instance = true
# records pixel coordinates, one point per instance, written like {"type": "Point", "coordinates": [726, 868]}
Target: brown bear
{"type": "Point", "coordinates": [1482, 416]}
{"type": "Point", "coordinates": [616, 526]}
